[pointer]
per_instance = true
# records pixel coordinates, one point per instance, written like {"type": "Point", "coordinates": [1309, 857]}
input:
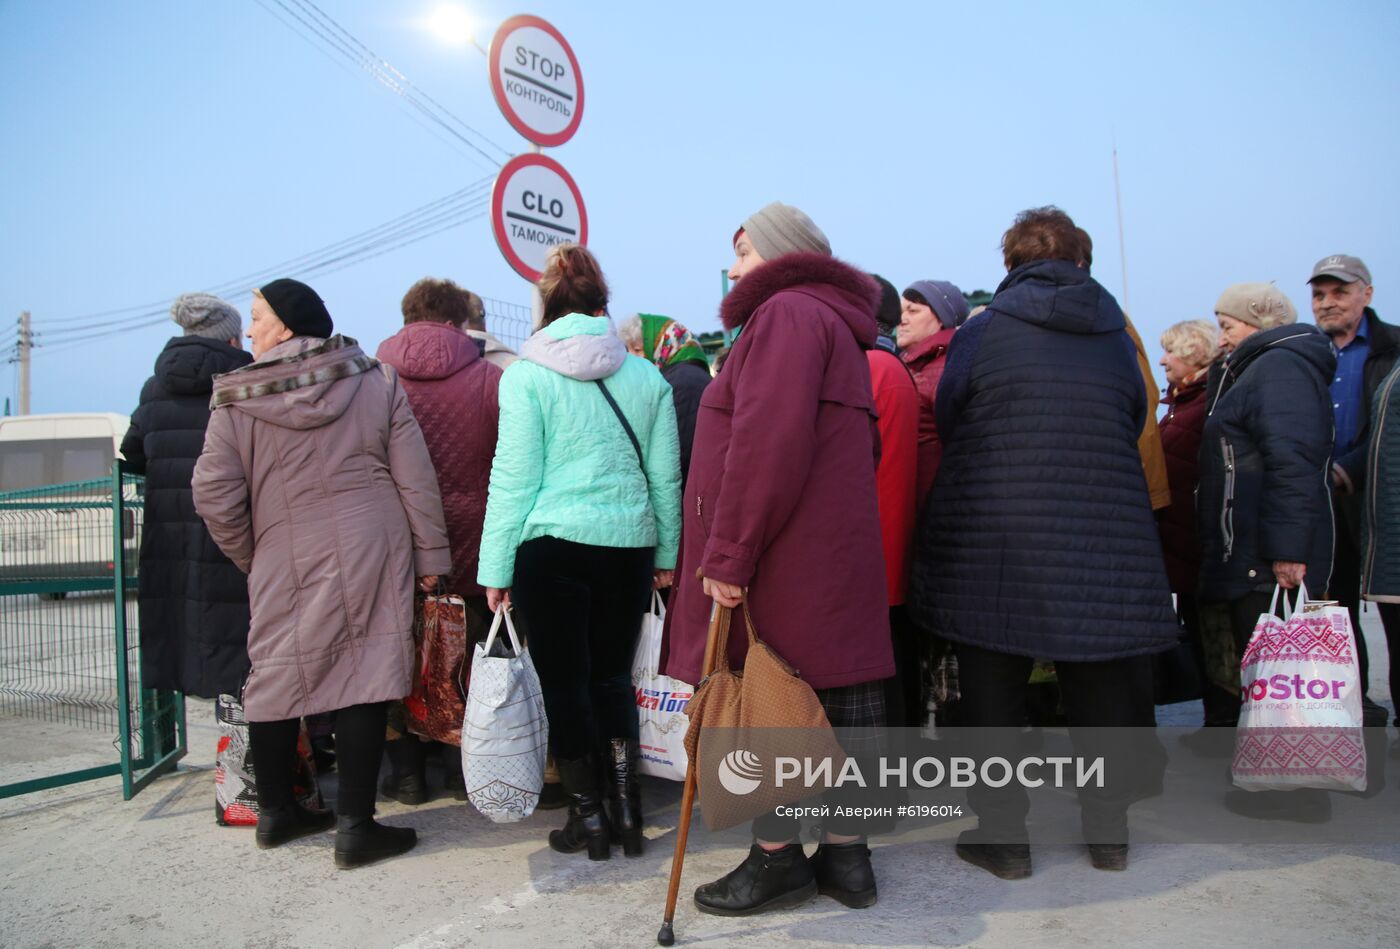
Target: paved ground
{"type": "Point", "coordinates": [79, 867]}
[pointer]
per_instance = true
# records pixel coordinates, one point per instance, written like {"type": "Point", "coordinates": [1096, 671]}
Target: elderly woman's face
{"type": "Point", "coordinates": [266, 330]}
{"type": "Point", "coordinates": [917, 322]}
{"type": "Point", "coordinates": [1233, 332]}
{"type": "Point", "coordinates": [1178, 369]}
{"type": "Point", "coordinates": [746, 259]}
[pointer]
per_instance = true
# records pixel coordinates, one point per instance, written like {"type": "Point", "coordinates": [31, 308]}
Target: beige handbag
{"type": "Point", "coordinates": [741, 722]}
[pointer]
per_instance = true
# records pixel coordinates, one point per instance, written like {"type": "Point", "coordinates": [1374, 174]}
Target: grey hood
{"type": "Point", "coordinates": [578, 346]}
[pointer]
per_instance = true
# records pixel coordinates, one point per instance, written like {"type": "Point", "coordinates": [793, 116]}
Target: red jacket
{"type": "Point", "coordinates": [925, 360]}
{"type": "Point", "coordinates": [781, 493]}
{"type": "Point", "coordinates": [1181, 444]}
{"type": "Point", "coordinates": [453, 394]}
{"type": "Point", "coordinates": [897, 405]}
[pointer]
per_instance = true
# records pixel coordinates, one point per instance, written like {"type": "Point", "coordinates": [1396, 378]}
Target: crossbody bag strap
{"type": "Point", "coordinates": [627, 426]}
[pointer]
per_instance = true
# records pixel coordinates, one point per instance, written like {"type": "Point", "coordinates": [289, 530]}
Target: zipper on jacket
{"type": "Point", "coordinates": [699, 501]}
{"type": "Point", "coordinates": [1373, 464]}
{"type": "Point", "coordinates": [1227, 510]}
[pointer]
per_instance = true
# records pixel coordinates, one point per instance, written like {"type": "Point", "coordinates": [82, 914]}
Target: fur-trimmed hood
{"type": "Point", "coordinates": [852, 293]}
{"type": "Point", "coordinates": [301, 384]}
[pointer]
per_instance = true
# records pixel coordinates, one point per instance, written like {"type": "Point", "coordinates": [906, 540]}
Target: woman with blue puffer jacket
{"type": "Point", "coordinates": [582, 522]}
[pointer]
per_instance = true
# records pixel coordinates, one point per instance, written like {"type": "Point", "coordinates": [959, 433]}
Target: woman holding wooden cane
{"type": "Point", "coordinates": [780, 510]}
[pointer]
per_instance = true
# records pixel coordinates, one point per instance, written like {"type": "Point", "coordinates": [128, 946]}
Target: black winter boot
{"type": "Point", "coordinates": [1008, 861]}
{"type": "Point", "coordinates": [767, 879]}
{"type": "Point", "coordinates": [362, 840]}
{"type": "Point", "coordinates": [278, 825]}
{"type": "Point", "coordinates": [843, 872]}
{"type": "Point", "coordinates": [407, 780]}
{"type": "Point", "coordinates": [624, 796]}
{"type": "Point", "coordinates": [587, 826]}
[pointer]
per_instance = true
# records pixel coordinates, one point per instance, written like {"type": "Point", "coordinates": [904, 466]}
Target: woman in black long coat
{"type": "Point", "coordinates": [193, 600]}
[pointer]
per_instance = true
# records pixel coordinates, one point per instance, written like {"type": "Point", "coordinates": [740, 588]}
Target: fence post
{"type": "Point", "coordinates": [119, 629]}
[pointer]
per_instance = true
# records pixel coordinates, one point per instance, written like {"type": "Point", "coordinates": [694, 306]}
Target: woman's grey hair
{"type": "Point", "coordinates": [630, 330]}
{"type": "Point", "coordinates": [1194, 341]}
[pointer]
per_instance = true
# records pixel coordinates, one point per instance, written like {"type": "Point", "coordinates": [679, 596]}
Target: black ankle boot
{"type": "Point", "coordinates": [1007, 861]}
{"type": "Point", "coordinates": [843, 872]}
{"type": "Point", "coordinates": [407, 780]}
{"type": "Point", "coordinates": [362, 840]}
{"type": "Point", "coordinates": [587, 826]}
{"type": "Point", "coordinates": [767, 879]}
{"type": "Point", "coordinates": [624, 796]}
{"type": "Point", "coordinates": [277, 825]}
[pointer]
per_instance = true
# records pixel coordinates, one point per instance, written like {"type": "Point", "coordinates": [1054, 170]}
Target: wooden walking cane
{"type": "Point", "coordinates": [667, 935]}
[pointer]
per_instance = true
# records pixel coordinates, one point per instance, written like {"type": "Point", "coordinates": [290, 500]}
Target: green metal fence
{"type": "Point", "coordinates": [71, 696]}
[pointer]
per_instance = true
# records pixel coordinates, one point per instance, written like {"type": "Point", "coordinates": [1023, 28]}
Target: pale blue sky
{"type": "Point", "coordinates": [160, 146]}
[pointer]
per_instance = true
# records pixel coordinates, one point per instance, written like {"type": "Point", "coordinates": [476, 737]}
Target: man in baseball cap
{"type": "Point", "coordinates": [1366, 348]}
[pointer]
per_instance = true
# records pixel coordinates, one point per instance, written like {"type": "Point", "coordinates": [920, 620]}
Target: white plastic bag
{"type": "Point", "coordinates": [505, 733]}
{"type": "Point", "coordinates": [1300, 717]}
{"type": "Point", "coordinates": [661, 702]}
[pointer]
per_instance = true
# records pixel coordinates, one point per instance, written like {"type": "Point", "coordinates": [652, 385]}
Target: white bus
{"type": "Point", "coordinates": [64, 534]}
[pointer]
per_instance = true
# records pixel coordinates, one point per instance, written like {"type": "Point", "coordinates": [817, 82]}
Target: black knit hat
{"type": "Point", "coordinates": [298, 307]}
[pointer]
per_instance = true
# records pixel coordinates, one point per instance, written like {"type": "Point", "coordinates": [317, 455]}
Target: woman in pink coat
{"type": "Point", "coordinates": [316, 482]}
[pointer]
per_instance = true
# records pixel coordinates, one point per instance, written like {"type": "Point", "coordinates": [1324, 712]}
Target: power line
{"type": "Point", "coordinates": [341, 41]}
{"type": "Point", "coordinates": [440, 223]}
{"type": "Point", "coordinates": [469, 196]}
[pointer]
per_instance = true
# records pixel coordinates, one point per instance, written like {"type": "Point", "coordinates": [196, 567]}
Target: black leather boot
{"type": "Point", "coordinates": [363, 840]}
{"type": "Point", "coordinates": [1007, 861]}
{"type": "Point", "coordinates": [843, 872]}
{"type": "Point", "coordinates": [278, 825]}
{"type": "Point", "coordinates": [407, 780]}
{"type": "Point", "coordinates": [767, 879]}
{"type": "Point", "coordinates": [624, 796]}
{"type": "Point", "coordinates": [587, 827]}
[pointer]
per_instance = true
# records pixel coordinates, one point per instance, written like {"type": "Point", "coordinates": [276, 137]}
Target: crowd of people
{"type": "Point", "coordinates": [896, 487]}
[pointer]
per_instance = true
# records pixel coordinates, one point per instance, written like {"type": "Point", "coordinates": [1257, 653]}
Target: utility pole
{"type": "Point", "coordinates": [1122, 246]}
{"type": "Point", "coordinates": [24, 345]}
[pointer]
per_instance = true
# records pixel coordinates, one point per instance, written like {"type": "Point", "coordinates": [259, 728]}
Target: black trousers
{"type": "Point", "coordinates": [1345, 586]}
{"type": "Point", "coordinates": [580, 606]}
{"type": "Point", "coordinates": [359, 743]}
{"type": "Point", "coordinates": [1390, 619]}
{"type": "Point", "coordinates": [1219, 706]}
{"type": "Point", "coordinates": [904, 691]}
{"type": "Point", "coordinates": [1096, 695]}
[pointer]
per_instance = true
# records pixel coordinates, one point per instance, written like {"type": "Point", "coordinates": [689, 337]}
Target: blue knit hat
{"type": "Point", "coordinates": [944, 298]}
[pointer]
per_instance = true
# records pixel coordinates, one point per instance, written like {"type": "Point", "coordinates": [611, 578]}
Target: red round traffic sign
{"type": "Point", "coordinates": [536, 80]}
{"type": "Point", "coordinates": [535, 205]}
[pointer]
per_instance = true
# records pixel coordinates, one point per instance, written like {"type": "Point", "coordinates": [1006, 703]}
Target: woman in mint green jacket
{"type": "Point", "coordinates": [582, 522]}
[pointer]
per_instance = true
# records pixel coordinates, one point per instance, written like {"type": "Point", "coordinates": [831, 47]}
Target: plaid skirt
{"type": "Point", "coordinates": [858, 716]}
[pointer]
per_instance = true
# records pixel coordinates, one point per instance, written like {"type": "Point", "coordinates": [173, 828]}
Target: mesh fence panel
{"type": "Point", "coordinates": [70, 680]}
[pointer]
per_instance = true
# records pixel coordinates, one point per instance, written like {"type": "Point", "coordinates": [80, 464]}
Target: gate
{"type": "Point", "coordinates": [72, 704]}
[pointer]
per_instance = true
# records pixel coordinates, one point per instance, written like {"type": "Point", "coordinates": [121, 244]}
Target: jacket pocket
{"type": "Point", "coordinates": [1227, 505]}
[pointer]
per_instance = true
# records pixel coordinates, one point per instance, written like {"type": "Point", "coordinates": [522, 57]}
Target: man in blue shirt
{"type": "Point", "coordinates": [1366, 350]}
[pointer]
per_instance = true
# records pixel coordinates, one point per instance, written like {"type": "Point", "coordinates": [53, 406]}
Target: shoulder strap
{"type": "Point", "coordinates": [627, 426]}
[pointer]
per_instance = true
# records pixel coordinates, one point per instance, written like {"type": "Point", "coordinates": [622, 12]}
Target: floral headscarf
{"type": "Point", "coordinates": [668, 342]}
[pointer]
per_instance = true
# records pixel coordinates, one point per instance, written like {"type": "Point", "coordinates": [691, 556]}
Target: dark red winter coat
{"type": "Point", "coordinates": [1181, 444]}
{"type": "Point", "coordinates": [897, 405]}
{"type": "Point", "coordinates": [453, 393]}
{"type": "Point", "coordinates": [781, 494]}
{"type": "Point", "coordinates": [926, 360]}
